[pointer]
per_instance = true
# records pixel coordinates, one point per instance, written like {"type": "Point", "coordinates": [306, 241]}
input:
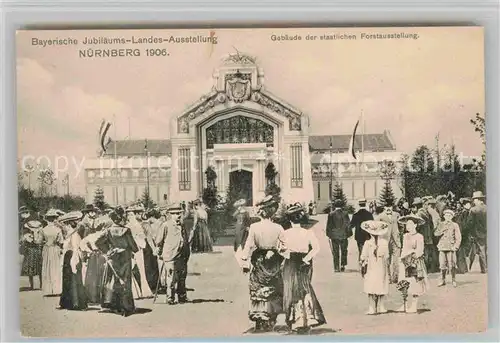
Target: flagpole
{"type": "Point", "coordinates": [147, 170]}
{"type": "Point", "coordinates": [115, 161]}
{"type": "Point", "coordinates": [363, 151]}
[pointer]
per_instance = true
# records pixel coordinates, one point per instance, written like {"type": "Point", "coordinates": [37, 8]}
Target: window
{"type": "Point", "coordinates": [184, 169]}
{"type": "Point", "coordinates": [124, 173]}
{"type": "Point", "coordinates": [296, 159]}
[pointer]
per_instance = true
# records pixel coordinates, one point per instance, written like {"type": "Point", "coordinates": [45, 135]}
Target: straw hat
{"type": "Point", "coordinates": [375, 227]}
{"type": "Point", "coordinates": [416, 219]}
{"type": "Point", "coordinates": [70, 217]}
{"type": "Point", "coordinates": [33, 225]}
{"type": "Point", "coordinates": [478, 195]}
{"type": "Point", "coordinates": [240, 202]}
{"type": "Point", "coordinates": [136, 208]}
{"type": "Point", "coordinates": [266, 202]}
{"type": "Point", "coordinates": [52, 213]}
{"type": "Point", "coordinates": [175, 209]}
{"type": "Point", "coordinates": [417, 201]}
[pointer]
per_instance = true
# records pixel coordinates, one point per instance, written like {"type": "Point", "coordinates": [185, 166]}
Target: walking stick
{"type": "Point", "coordinates": [120, 280]}
{"type": "Point", "coordinates": [158, 282]}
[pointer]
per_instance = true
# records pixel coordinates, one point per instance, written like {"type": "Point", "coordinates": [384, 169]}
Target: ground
{"type": "Point", "coordinates": [219, 305]}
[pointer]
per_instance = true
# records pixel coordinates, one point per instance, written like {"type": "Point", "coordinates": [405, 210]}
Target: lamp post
{"type": "Point", "coordinates": [147, 172]}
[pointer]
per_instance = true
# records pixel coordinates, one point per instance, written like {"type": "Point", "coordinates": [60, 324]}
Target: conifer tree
{"type": "Point", "coordinates": [99, 200]}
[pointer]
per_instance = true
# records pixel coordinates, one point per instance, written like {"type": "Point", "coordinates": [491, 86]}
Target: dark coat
{"type": "Point", "coordinates": [337, 225]}
{"type": "Point", "coordinates": [477, 223]}
{"type": "Point", "coordinates": [426, 229]}
{"type": "Point", "coordinates": [359, 217]}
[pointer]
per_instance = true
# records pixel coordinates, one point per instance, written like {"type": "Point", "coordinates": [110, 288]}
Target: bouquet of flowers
{"type": "Point", "coordinates": [403, 286]}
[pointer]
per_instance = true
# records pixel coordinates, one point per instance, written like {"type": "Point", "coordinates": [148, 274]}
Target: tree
{"type": "Point", "coordinates": [479, 123]}
{"type": "Point", "coordinates": [146, 200]}
{"type": "Point", "coordinates": [271, 187]}
{"type": "Point", "coordinates": [387, 195]}
{"type": "Point", "coordinates": [210, 192]}
{"type": "Point", "coordinates": [46, 178]}
{"type": "Point", "coordinates": [422, 161]}
{"type": "Point", "coordinates": [99, 201]}
{"type": "Point", "coordinates": [338, 194]}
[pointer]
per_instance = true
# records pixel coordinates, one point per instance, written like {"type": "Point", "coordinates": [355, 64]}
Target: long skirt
{"type": "Point", "coordinates": [51, 270]}
{"type": "Point", "coordinates": [302, 308]}
{"type": "Point", "coordinates": [73, 296]}
{"type": "Point", "coordinates": [140, 286]}
{"type": "Point", "coordinates": [117, 292]}
{"type": "Point", "coordinates": [376, 279]}
{"type": "Point", "coordinates": [32, 263]}
{"type": "Point", "coordinates": [420, 284]}
{"type": "Point", "coordinates": [266, 287]}
{"type": "Point", "coordinates": [201, 239]}
{"type": "Point", "coordinates": [151, 267]}
{"type": "Point", "coordinates": [240, 237]}
{"type": "Point", "coordinates": [94, 276]}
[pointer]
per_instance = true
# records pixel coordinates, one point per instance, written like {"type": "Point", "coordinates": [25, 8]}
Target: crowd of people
{"type": "Point", "coordinates": [401, 243]}
{"type": "Point", "coordinates": [115, 256]}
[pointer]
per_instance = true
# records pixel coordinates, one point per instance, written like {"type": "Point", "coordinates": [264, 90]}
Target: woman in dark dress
{"type": "Point", "coordinates": [202, 242]}
{"type": "Point", "coordinates": [299, 246]}
{"type": "Point", "coordinates": [74, 295]}
{"type": "Point", "coordinates": [119, 247]}
{"type": "Point", "coordinates": [31, 248]}
{"type": "Point", "coordinates": [242, 224]}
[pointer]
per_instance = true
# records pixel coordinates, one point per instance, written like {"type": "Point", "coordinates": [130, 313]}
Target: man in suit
{"type": "Point", "coordinates": [359, 217]}
{"type": "Point", "coordinates": [337, 230]}
{"type": "Point", "coordinates": [478, 231]}
{"type": "Point", "coordinates": [394, 239]}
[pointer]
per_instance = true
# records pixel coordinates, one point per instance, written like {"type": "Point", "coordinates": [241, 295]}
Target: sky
{"type": "Point", "coordinates": [415, 88]}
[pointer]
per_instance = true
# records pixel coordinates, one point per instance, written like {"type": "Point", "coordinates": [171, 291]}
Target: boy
{"type": "Point", "coordinates": [448, 245]}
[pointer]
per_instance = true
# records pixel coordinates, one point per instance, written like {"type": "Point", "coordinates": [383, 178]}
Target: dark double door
{"type": "Point", "coordinates": [241, 183]}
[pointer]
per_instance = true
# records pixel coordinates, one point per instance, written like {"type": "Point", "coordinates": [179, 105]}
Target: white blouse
{"type": "Point", "coordinates": [298, 239]}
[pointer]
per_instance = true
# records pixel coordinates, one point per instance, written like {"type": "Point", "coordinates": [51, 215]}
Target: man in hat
{"type": "Point", "coordinates": [449, 242]}
{"type": "Point", "coordinates": [477, 225]}
{"type": "Point", "coordinates": [427, 231]}
{"type": "Point", "coordinates": [174, 251]}
{"type": "Point", "coordinates": [357, 219]}
{"type": "Point", "coordinates": [265, 281]}
{"type": "Point", "coordinates": [393, 238]}
{"type": "Point", "coordinates": [462, 221]}
{"type": "Point", "coordinates": [430, 204]}
{"type": "Point", "coordinates": [337, 230]}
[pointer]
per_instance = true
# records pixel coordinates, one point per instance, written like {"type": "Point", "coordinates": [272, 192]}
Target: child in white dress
{"type": "Point", "coordinates": [375, 266]}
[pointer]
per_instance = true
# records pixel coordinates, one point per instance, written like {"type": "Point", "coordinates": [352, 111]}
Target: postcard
{"type": "Point", "coordinates": [205, 183]}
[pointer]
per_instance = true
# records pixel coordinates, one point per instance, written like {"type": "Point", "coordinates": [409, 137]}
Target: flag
{"type": "Point", "coordinates": [103, 132]}
{"type": "Point", "coordinates": [352, 152]}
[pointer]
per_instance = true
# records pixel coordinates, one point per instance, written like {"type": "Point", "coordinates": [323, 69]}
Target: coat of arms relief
{"type": "Point", "coordinates": [238, 87]}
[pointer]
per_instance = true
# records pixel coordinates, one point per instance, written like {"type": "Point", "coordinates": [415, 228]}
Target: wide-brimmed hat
{"type": "Point", "coordinates": [464, 201]}
{"type": "Point", "coordinates": [175, 209]}
{"type": "Point", "coordinates": [90, 208]}
{"type": "Point", "coordinates": [136, 208]}
{"type": "Point", "coordinates": [417, 201]}
{"type": "Point", "coordinates": [240, 202]}
{"type": "Point", "coordinates": [70, 216]}
{"type": "Point", "coordinates": [117, 215]}
{"type": "Point", "coordinates": [23, 210]}
{"type": "Point", "coordinates": [33, 225]}
{"type": "Point", "coordinates": [52, 213]}
{"type": "Point", "coordinates": [448, 211]}
{"type": "Point", "coordinates": [416, 219]}
{"type": "Point", "coordinates": [267, 202]}
{"type": "Point", "coordinates": [294, 209]}
{"type": "Point", "coordinates": [375, 227]}
{"type": "Point", "coordinates": [478, 195]}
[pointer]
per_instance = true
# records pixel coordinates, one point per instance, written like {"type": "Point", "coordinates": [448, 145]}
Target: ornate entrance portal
{"type": "Point", "coordinates": [240, 181]}
{"type": "Point", "coordinates": [237, 129]}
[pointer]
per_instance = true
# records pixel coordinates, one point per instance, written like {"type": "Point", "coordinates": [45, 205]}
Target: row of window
{"type": "Point", "coordinates": [355, 189]}
{"type": "Point", "coordinates": [125, 173]}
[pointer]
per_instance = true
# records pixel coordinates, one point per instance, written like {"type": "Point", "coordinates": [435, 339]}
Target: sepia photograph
{"type": "Point", "coordinates": [257, 182]}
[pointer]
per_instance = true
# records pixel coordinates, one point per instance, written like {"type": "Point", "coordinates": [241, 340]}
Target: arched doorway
{"type": "Point", "coordinates": [240, 182]}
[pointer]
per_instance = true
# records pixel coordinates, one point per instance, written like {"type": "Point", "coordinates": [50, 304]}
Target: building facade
{"type": "Point", "coordinates": [237, 129]}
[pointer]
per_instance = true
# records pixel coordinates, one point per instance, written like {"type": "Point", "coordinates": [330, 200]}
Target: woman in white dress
{"type": "Point", "coordinates": [140, 287]}
{"type": "Point", "coordinates": [375, 265]}
{"type": "Point", "coordinates": [299, 246]}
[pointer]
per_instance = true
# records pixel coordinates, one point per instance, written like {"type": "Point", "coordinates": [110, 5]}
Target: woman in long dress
{"type": "Point", "coordinates": [51, 258]}
{"type": "Point", "coordinates": [412, 266]}
{"type": "Point", "coordinates": [119, 247]}
{"type": "Point", "coordinates": [299, 246]}
{"type": "Point", "coordinates": [150, 228]}
{"type": "Point", "coordinates": [95, 267]}
{"type": "Point", "coordinates": [31, 247]}
{"type": "Point", "coordinates": [375, 265]}
{"type": "Point", "coordinates": [202, 242]}
{"type": "Point", "coordinates": [265, 280]}
{"type": "Point", "coordinates": [140, 286]}
{"type": "Point", "coordinates": [74, 295]}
